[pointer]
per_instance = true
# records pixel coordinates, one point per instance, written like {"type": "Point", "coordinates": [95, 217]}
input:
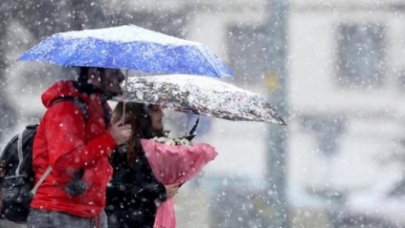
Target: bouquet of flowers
{"type": "Point", "coordinates": [174, 161]}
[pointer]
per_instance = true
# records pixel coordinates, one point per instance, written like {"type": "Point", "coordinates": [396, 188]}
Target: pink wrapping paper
{"type": "Point", "coordinates": [175, 164]}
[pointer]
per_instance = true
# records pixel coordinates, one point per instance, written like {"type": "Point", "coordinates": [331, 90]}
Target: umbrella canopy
{"type": "Point", "coordinates": [128, 47]}
{"type": "Point", "coordinates": [201, 95]}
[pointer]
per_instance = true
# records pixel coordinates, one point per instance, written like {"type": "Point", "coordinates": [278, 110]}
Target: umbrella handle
{"type": "Point", "coordinates": [192, 131]}
{"type": "Point", "coordinates": [125, 95]}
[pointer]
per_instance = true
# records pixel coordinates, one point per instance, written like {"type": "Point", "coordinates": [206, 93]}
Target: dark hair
{"type": "Point", "coordinates": [82, 82]}
{"type": "Point", "coordinates": [137, 115]}
{"type": "Point", "coordinates": [83, 74]}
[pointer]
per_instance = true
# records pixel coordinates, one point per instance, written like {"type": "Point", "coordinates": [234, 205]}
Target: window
{"type": "Point", "coordinates": [360, 55]}
{"type": "Point", "coordinates": [327, 130]}
{"type": "Point", "coordinates": [247, 49]}
{"type": "Point", "coordinates": [401, 80]}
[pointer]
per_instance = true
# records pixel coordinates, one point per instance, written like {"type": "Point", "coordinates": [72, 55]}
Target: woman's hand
{"type": "Point", "coordinates": [171, 190]}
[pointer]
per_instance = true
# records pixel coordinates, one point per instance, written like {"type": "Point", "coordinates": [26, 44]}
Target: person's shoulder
{"type": "Point", "coordinates": [59, 89]}
{"type": "Point", "coordinates": [63, 86]}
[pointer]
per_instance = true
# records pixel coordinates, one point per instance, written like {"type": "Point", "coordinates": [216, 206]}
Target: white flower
{"type": "Point", "coordinates": [172, 141]}
{"type": "Point", "coordinates": [160, 139]}
{"type": "Point", "coordinates": [184, 141]}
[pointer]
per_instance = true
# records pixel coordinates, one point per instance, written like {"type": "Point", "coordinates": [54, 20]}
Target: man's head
{"type": "Point", "coordinates": [106, 80]}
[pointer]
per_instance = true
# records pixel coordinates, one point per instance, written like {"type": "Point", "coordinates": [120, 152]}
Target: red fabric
{"type": "Point", "coordinates": [66, 142]}
{"type": "Point", "coordinates": [174, 164]}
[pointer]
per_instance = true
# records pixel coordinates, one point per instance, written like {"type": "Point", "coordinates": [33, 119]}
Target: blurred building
{"type": "Point", "coordinates": [346, 85]}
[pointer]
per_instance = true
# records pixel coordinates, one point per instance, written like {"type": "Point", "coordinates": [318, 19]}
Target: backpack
{"type": "Point", "coordinates": [16, 173]}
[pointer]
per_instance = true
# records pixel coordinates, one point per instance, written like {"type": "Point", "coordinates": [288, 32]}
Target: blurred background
{"type": "Point", "coordinates": [335, 69]}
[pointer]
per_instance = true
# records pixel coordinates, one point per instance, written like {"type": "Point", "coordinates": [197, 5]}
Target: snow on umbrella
{"type": "Point", "coordinates": [128, 47]}
{"type": "Point", "coordinates": [201, 95]}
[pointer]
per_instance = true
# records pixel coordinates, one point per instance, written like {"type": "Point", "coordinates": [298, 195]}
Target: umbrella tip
{"type": "Point", "coordinates": [282, 122]}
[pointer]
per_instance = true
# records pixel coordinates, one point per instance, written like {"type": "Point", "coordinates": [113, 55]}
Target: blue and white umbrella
{"type": "Point", "coordinates": [128, 47]}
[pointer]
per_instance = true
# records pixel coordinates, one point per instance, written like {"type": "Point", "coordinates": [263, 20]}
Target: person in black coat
{"type": "Point", "coordinates": [134, 193]}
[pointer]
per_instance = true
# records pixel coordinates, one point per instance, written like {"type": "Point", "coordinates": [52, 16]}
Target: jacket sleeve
{"type": "Point", "coordinates": [150, 191]}
{"type": "Point", "coordinates": [155, 191]}
{"type": "Point", "coordinates": [147, 185]}
{"type": "Point", "coordinates": [65, 133]}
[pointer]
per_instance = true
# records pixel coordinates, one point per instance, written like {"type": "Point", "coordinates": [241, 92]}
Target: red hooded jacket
{"type": "Point", "coordinates": [67, 142]}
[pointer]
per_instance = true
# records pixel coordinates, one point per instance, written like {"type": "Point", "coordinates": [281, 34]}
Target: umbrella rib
{"type": "Point", "coordinates": [208, 58]}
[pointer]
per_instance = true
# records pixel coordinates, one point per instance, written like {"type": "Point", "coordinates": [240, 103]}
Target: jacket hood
{"type": "Point", "coordinates": [59, 89]}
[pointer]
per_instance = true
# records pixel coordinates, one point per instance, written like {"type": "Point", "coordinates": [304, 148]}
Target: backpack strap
{"type": "Point", "coordinates": [19, 152]}
{"type": "Point", "coordinates": [106, 112]}
{"type": "Point", "coordinates": [83, 107]}
{"type": "Point", "coordinates": [28, 132]}
{"type": "Point", "coordinates": [41, 180]}
{"type": "Point", "coordinates": [78, 102]}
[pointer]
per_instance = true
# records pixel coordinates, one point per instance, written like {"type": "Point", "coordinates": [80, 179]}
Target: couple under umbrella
{"type": "Point", "coordinates": [130, 48]}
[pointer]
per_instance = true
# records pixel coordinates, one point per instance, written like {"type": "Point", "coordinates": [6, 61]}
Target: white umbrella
{"type": "Point", "coordinates": [201, 95]}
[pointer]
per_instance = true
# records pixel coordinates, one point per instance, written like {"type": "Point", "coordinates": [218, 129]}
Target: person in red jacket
{"type": "Point", "coordinates": [70, 144]}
